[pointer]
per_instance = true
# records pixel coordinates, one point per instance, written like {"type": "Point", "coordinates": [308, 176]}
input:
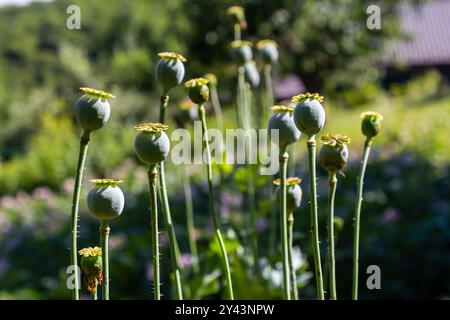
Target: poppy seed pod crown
{"type": "Point", "coordinates": [198, 90]}
{"type": "Point", "coordinates": [91, 267]}
{"type": "Point", "coordinates": [268, 50]}
{"type": "Point", "coordinates": [371, 123]}
{"type": "Point", "coordinates": [238, 15]}
{"type": "Point", "coordinates": [241, 51]}
{"type": "Point", "coordinates": [170, 70]}
{"type": "Point", "coordinates": [151, 144]}
{"type": "Point", "coordinates": [293, 193]}
{"type": "Point", "coordinates": [334, 152]}
{"type": "Point", "coordinates": [106, 200]}
{"type": "Point", "coordinates": [92, 109]}
{"type": "Point", "coordinates": [309, 114]}
{"type": "Point", "coordinates": [252, 74]}
{"type": "Point", "coordinates": [283, 121]}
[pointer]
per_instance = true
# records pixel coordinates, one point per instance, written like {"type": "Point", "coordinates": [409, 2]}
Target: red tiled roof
{"type": "Point", "coordinates": [429, 27]}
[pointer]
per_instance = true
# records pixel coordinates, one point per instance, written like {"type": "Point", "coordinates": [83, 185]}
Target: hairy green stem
{"type": "Point", "coordinates": [84, 142]}
{"type": "Point", "coordinates": [190, 219]}
{"type": "Point", "coordinates": [332, 182]}
{"type": "Point", "coordinates": [152, 174]}
{"type": "Point", "coordinates": [356, 221]}
{"type": "Point", "coordinates": [224, 256]}
{"type": "Point", "coordinates": [293, 277]}
{"type": "Point", "coordinates": [283, 223]}
{"type": "Point", "coordinates": [173, 244]}
{"type": "Point", "coordinates": [314, 216]}
{"type": "Point", "coordinates": [104, 235]}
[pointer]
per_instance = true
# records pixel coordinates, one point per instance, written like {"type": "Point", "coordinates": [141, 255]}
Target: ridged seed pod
{"type": "Point", "coordinates": [151, 144]}
{"type": "Point", "coordinates": [106, 200]}
{"type": "Point", "coordinates": [198, 90]}
{"type": "Point", "coordinates": [283, 120]}
{"type": "Point", "coordinates": [170, 70]}
{"type": "Point", "coordinates": [309, 114]}
{"type": "Point", "coordinates": [371, 123]}
{"type": "Point", "coordinates": [91, 267]}
{"type": "Point", "coordinates": [334, 152]}
{"type": "Point", "coordinates": [92, 109]}
{"type": "Point", "coordinates": [293, 193]}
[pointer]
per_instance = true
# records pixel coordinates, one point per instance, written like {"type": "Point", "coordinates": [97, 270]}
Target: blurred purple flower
{"type": "Point", "coordinates": [389, 215]}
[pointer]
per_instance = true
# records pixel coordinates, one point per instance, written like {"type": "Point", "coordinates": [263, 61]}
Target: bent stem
{"type": "Point", "coordinates": [293, 277]}
{"type": "Point", "coordinates": [104, 235]}
{"type": "Point", "coordinates": [332, 182]}
{"type": "Point", "coordinates": [283, 222]}
{"type": "Point", "coordinates": [190, 220]}
{"type": "Point", "coordinates": [356, 221]}
{"type": "Point", "coordinates": [84, 142]}
{"type": "Point", "coordinates": [314, 216]}
{"type": "Point", "coordinates": [152, 173]}
{"type": "Point", "coordinates": [224, 256]}
{"type": "Point", "coordinates": [173, 244]}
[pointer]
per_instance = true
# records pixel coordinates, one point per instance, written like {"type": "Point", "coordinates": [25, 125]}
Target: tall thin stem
{"type": "Point", "coordinates": [94, 295]}
{"type": "Point", "coordinates": [293, 277]}
{"type": "Point", "coordinates": [173, 244]}
{"type": "Point", "coordinates": [217, 107]}
{"type": "Point", "coordinates": [152, 174]}
{"type": "Point", "coordinates": [314, 216]}
{"type": "Point", "coordinates": [237, 31]}
{"type": "Point", "coordinates": [240, 100]}
{"type": "Point", "coordinates": [332, 182]}
{"type": "Point", "coordinates": [84, 142]}
{"type": "Point", "coordinates": [104, 235]}
{"type": "Point", "coordinates": [224, 256]}
{"type": "Point", "coordinates": [250, 181]}
{"type": "Point", "coordinates": [268, 88]}
{"type": "Point", "coordinates": [190, 219]}
{"type": "Point", "coordinates": [356, 221]}
{"type": "Point", "coordinates": [283, 223]}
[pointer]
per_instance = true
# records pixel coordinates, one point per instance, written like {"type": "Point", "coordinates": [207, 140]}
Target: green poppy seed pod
{"type": "Point", "coordinates": [92, 109]}
{"type": "Point", "coordinates": [198, 90]}
{"type": "Point", "coordinates": [252, 74]}
{"type": "Point", "coordinates": [91, 267]}
{"type": "Point", "coordinates": [371, 123]}
{"type": "Point", "coordinates": [268, 50]}
{"type": "Point", "coordinates": [309, 114]}
{"type": "Point", "coordinates": [334, 152]}
{"type": "Point", "coordinates": [151, 144]}
{"type": "Point", "coordinates": [106, 199]}
{"type": "Point", "coordinates": [170, 70]}
{"type": "Point", "coordinates": [283, 121]}
{"type": "Point", "coordinates": [293, 193]}
{"type": "Point", "coordinates": [241, 51]}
